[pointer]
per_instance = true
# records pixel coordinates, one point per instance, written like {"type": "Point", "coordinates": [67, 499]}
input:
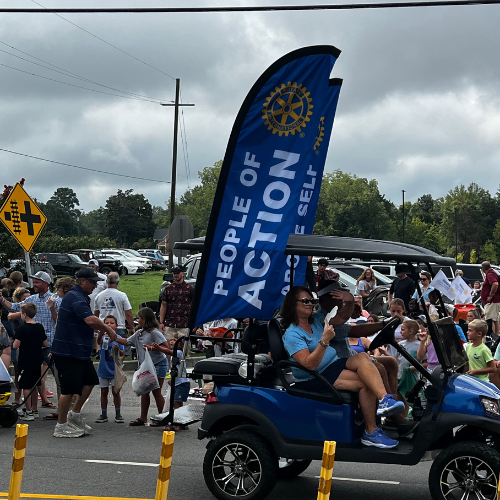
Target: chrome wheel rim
{"type": "Point", "coordinates": [468, 478]}
{"type": "Point", "coordinates": [236, 469]}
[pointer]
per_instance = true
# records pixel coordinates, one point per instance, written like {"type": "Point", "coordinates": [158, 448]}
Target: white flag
{"type": "Point", "coordinates": [441, 283]}
{"type": "Point", "coordinates": [461, 290]}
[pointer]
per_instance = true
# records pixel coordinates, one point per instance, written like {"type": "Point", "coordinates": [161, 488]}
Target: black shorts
{"type": "Point", "coordinates": [29, 377]}
{"type": "Point", "coordinates": [331, 373]}
{"type": "Point", "coordinates": [75, 374]}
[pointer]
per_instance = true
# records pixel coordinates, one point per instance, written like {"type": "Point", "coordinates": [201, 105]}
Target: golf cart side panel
{"type": "Point", "coordinates": [319, 421]}
{"type": "Point", "coordinates": [462, 395]}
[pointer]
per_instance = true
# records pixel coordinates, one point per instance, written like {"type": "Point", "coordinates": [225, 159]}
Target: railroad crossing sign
{"type": "Point", "coordinates": [22, 217]}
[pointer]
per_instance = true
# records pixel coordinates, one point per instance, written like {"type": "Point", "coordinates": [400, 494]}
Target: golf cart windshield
{"type": "Point", "coordinates": [447, 344]}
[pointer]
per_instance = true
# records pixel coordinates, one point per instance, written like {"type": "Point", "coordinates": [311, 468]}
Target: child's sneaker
{"type": "Point", "coordinates": [389, 406]}
{"type": "Point", "coordinates": [119, 419]}
{"type": "Point", "coordinates": [101, 419]}
{"type": "Point", "coordinates": [28, 416]}
{"type": "Point", "coordinates": [378, 439]}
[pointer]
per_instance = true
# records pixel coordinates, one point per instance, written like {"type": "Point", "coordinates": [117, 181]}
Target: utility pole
{"type": "Point", "coordinates": [176, 105]}
{"type": "Point", "coordinates": [403, 215]}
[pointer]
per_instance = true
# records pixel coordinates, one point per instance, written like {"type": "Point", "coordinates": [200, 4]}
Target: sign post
{"type": "Point", "coordinates": [24, 220]}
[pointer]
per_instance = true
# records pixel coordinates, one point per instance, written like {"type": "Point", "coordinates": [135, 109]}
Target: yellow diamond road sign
{"type": "Point", "coordinates": [22, 217]}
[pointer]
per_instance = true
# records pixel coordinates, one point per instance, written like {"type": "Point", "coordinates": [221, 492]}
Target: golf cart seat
{"type": "Point", "coordinates": [283, 365]}
{"type": "Point", "coordinates": [233, 368]}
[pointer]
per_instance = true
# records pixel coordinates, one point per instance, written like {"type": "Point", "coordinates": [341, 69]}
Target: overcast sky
{"type": "Point", "coordinates": [419, 109]}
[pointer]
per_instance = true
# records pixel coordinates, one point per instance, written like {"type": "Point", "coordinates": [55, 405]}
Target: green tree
{"type": "Point", "coordinates": [93, 223]}
{"type": "Point", "coordinates": [129, 217]}
{"type": "Point", "coordinates": [352, 206]}
{"type": "Point", "coordinates": [488, 252]}
{"type": "Point", "coordinates": [473, 256]}
{"type": "Point", "coordinates": [61, 212]}
{"type": "Point", "coordinates": [467, 218]}
{"type": "Point", "coordinates": [197, 202]}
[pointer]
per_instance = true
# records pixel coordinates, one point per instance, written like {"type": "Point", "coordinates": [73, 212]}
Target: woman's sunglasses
{"type": "Point", "coordinates": [307, 301]}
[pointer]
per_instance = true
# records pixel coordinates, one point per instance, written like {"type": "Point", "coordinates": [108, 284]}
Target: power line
{"type": "Point", "coordinates": [68, 73]}
{"type": "Point", "coordinates": [275, 8]}
{"type": "Point", "coordinates": [54, 11]}
{"type": "Point", "coordinates": [77, 86]}
{"type": "Point", "coordinates": [83, 168]}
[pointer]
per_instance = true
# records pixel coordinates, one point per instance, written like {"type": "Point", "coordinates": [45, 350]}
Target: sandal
{"type": "Point", "coordinates": [154, 424]}
{"type": "Point", "coordinates": [49, 405]}
{"type": "Point", "coordinates": [51, 416]}
{"type": "Point", "coordinates": [137, 422]}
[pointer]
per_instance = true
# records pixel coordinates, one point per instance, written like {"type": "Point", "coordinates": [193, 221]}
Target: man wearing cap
{"type": "Point", "coordinates": [71, 350]}
{"type": "Point", "coordinates": [176, 305]}
{"type": "Point", "coordinates": [325, 274]}
{"type": "Point", "coordinates": [403, 287]}
{"type": "Point", "coordinates": [101, 285]}
{"type": "Point", "coordinates": [41, 282]}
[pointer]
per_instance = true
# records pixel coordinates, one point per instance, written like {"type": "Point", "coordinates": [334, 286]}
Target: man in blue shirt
{"type": "Point", "coordinates": [71, 350]}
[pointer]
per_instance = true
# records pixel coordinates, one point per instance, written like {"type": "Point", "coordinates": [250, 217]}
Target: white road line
{"type": "Point", "coordinates": [141, 464]}
{"type": "Point", "coordinates": [362, 480]}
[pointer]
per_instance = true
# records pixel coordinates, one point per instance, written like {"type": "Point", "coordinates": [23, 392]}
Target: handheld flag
{"type": "Point", "coordinates": [268, 188]}
{"type": "Point", "coordinates": [441, 283]}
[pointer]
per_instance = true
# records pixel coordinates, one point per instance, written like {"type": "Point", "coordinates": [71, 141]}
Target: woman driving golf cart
{"type": "Point", "coordinates": [307, 342]}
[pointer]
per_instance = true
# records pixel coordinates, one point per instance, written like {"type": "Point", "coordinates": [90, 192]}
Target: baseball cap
{"type": "Point", "coordinates": [327, 286]}
{"type": "Point", "coordinates": [89, 274]}
{"type": "Point", "coordinates": [93, 262]}
{"type": "Point", "coordinates": [40, 275]}
{"type": "Point", "coordinates": [177, 269]}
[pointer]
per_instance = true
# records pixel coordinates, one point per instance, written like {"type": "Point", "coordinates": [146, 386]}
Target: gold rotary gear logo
{"type": "Point", "coordinates": [321, 133]}
{"type": "Point", "coordinates": [287, 109]}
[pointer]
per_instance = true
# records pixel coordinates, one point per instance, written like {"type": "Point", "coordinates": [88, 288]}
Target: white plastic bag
{"type": "Point", "coordinates": [145, 379]}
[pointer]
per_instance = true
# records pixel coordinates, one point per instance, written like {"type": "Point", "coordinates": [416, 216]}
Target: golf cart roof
{"type": "Point", "coordinates": [337, 246]}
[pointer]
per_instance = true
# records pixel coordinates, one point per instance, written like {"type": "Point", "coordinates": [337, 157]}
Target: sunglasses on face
{"type": "Point", "coordinates": [307, 301]}
{"type": "Point", "coordinates": [423, 279]}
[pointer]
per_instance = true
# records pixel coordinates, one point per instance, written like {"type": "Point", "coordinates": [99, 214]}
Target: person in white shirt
{"type": "Point", "coordinates": [101, 285]}
{"type": "Point", "coordinates": [112, 301]}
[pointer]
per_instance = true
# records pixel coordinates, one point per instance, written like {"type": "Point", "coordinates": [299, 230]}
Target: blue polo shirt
{"type": "Point", "coordinates": [73, 336]}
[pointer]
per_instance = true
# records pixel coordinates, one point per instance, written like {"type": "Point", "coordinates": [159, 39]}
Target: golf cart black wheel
{"type": "Point", "coordinates": [105, 270]}
{"type": "Point", "coordinates": [465, 470]}
{"type": "Point", "coordinates": [8, 416]}
{"type": "Point", "coordinates": [240, 465]}
{"type": "Point", "coordinates": [288, 468]}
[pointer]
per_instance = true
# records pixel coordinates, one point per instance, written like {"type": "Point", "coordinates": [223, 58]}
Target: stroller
{"type": "Point", "coordinates": [8, 413]}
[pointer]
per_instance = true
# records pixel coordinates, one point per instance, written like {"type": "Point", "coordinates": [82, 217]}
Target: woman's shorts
{"type": "Point", "coordinates": [182, 391]}
{"type": "Point", "coordinates": [29, 377]}
{"type": "Point", "coordinates": [331, 373]}
{"type": "Point", "coordinates": [161, 369]}
{"type": "Point", "coordinates": [104, 383]}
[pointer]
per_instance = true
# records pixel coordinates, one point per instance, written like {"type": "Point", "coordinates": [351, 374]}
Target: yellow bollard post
{"type": "Point", "coordinates": [167, 450]}
{"type": "Point", "coordinates": [16, 475]}
{"type": "Point", "coordinates": [325, 478]}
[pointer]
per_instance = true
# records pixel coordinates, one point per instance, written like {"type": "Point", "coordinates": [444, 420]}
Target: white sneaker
{"type": "Point", "coordinates": [27, 417]}
{"type": "Point", "coordinates": [66, 431]}
{"type": "Point", "coordinates": [77, 421]}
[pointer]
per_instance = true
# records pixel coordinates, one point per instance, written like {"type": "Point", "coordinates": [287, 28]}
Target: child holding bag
{"type": "Point", "coordinates": [106, 373]}
{"type": "Point", "coordinates": [149, 337]}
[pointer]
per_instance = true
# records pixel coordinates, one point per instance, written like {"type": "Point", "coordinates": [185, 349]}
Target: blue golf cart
{"type": "Point", "coordinates": [260, 428]}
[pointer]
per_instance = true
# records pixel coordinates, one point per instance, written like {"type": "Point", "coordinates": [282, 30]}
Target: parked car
{"type": "Point", "coordinates": [158, 261]}
{"type": "Point", "coordinates": [106, 264]}
{"type": "Point", "coordinates": [64, 263]}
{"type": "Point", "coordinates": [135, 253]}
{"type": "Point", "coordinates": [143, 261]}
{"type": "Point", "coordinates": [36, 265]}
{"type": "Point", "coordinates": [130, 266]}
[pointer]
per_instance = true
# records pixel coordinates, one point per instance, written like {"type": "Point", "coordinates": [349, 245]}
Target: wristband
{"type": "Point", "coordinates": [324, 344]}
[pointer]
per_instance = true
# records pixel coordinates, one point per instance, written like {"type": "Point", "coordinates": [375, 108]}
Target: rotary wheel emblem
{"type": "Point", "coordinates": [321, 133]}
{"type": "Point", "coordinates": [287, 109]}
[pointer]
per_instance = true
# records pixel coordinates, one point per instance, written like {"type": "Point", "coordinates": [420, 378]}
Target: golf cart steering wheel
{"type": "Point", "coordinates": [386, 335]}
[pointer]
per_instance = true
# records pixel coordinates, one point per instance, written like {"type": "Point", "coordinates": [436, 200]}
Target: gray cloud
{"type": "Point", "coordinates": [419, 109]}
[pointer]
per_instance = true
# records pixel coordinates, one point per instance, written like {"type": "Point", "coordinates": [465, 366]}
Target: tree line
{"type": "Point", "coordinates": [463, 223]}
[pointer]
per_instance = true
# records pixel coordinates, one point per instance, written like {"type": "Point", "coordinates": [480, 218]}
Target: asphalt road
{"type": "Point", "coordinates": [65, 466]}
